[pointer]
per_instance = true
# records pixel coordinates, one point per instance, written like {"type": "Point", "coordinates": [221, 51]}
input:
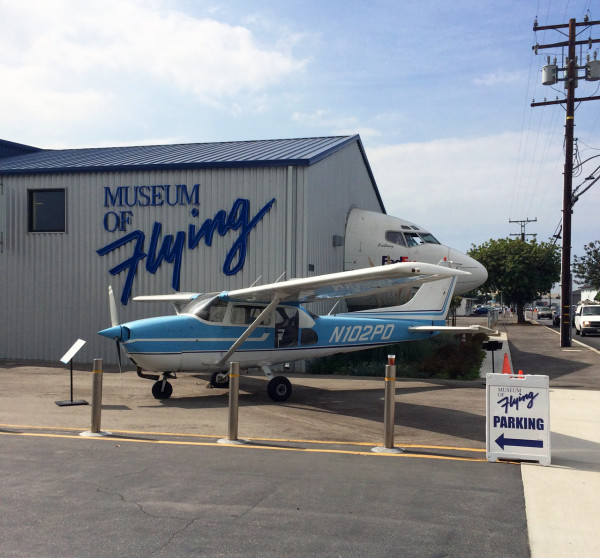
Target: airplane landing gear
{"type": "Point", "coordinates": [162, 389]}
{"type": "Point", "coordinates": [279, 388]}
{"type": "Point", "coordinates": [219, 380]}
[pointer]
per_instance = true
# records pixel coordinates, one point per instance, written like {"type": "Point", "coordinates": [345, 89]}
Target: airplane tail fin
{"type": "Point", "coordinates": [431, 303]}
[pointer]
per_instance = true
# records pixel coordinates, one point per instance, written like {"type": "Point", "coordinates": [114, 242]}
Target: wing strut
{"type": "Point", "coordinates": [250, 329]}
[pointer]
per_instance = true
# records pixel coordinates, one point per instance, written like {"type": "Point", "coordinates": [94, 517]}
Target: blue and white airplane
{"type": "Point", "coordinates": [265, 325]}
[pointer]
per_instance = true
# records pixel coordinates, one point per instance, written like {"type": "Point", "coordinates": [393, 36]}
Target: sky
{"type": "Point", "coordinates": [439, 92]}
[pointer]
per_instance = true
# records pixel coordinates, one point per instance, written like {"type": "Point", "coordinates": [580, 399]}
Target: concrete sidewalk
{"type": "Point", "coordinates": [562, 500]}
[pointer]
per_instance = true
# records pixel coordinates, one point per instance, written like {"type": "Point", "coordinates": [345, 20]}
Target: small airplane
{"type": "Point", "coordinates": [267, 325]}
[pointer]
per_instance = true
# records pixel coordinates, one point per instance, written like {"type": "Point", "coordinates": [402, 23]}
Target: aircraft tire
{"type": "Point", "coordinates": [279, 389]}
{"type": "Point", "coordinates": [162, 393]}
{"type": "Point", "coordinates": [215, 383]}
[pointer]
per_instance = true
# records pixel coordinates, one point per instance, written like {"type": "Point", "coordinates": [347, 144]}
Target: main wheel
{"type": "Point", "coordinates": [161, 391]}
{"type": "Point", "coordinates": [219, 380]}
{"type": "Point", "coordinates": [279, 388]}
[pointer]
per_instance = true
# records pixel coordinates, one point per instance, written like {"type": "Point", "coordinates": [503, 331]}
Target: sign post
{"type": "Point", "coordinates": [68, 359]}
{"type": "Point", "coordinates": [518, 418]}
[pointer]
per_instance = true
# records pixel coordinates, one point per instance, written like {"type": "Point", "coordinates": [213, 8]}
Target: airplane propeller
{"type": "Point", "coordinates": [114, 320]}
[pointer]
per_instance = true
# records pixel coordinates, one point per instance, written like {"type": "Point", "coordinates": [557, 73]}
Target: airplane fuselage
{"type": "Point", "coordinates": [188, 342]}
{"type": "Point", "coordinates": [374, 239]}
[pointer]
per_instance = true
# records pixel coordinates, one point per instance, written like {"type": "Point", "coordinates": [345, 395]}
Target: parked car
{"type": "Point", "coordinates": [544, 312]}
{"type": "Point", "coordinates": [587, 319]}
{"type": "Point", "coordinates": [481, 310]}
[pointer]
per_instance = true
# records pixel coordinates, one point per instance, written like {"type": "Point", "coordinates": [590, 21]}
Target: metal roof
{"type": "Point", "coordinates": [282, 152]}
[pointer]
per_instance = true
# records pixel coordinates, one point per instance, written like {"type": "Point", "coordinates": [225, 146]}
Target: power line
{"type": "Point", "coordinates": [523, 223]}
{"type": "Point", "coordinates": [571, 78]}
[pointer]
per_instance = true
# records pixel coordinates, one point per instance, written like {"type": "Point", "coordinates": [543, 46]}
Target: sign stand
{"type": "Point", "coordinates": [68, 359]}
{"type": "Point", "coordinates": [518, 418]}
{"type": "Point", "coordinates": [492, 346]}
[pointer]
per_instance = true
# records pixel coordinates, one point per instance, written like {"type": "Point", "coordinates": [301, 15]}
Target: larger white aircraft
{"type": "Point", "coordinates": [374, 239]}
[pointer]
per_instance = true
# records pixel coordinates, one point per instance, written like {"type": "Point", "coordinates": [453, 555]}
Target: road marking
{"type": "Point", "coordinates": [114, 438]}
{"type": "Point", "coordinates": [574, 341]}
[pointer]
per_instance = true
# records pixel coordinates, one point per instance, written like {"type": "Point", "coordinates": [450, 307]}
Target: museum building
{"type": "Point", "coordinates": [157, 219]}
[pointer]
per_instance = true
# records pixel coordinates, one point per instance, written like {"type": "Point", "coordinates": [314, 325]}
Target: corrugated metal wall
{"type": "Point", "coordinates": [334, 186]}
{"type": "Point", "coordinates": [54, 285]}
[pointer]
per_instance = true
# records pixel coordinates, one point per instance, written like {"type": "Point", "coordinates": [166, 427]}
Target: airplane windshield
{"type": "Point", "coordinates": [207, 307]}
{"type": "Point", "coordinates": [413, 239]}
{"type": "Point", "coordinates": [428, 238]}
{"type": "Point", "coordinates": [396, 237]}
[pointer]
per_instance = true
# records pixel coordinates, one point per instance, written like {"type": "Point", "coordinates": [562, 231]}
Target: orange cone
{"type": "Point", "coordinates": [506, 365]}
{"type": "Point", "coordinates": [521, 373]}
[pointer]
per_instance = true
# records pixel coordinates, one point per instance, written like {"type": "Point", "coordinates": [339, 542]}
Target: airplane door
{"type": "Point", "coordinates": [286, 327]}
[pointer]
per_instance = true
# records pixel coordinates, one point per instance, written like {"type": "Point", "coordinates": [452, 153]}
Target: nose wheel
{"type": "Point", "coordinates": [219, 380]}
{"type": "Point", "coordinates": [162, 389]}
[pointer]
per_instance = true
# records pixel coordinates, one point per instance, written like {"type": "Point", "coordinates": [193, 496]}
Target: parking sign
{"type": "Point", "coordinates": [518, 417]}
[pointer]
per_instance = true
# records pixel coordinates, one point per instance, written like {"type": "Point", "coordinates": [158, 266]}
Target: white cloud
{"type": "Point", "coordinates": [68, 60]}
{"type": "Point", "coordinates": [334, 125]}
{"type": "Point", "coordinates": [500, 78]}
{"type": "Point", "coordinates": [463, 190]}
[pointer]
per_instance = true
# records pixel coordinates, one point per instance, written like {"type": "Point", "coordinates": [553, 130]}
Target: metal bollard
{"type": "Point", "coordinates": [390, 406]}
{"type": "Point", "coordinates": [389, 409]}
{"type": "Point", "coordinates": [234, 391]}
{"type": "Point", "coordinates": [96, 401]}
{"type": "Point", "coordinates": [97, 396]}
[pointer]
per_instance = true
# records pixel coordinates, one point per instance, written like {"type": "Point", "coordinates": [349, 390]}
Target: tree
{"type": "Point", "coordinates": [521, 270]}
{"type": "Point", "coordinates": [587, 268]}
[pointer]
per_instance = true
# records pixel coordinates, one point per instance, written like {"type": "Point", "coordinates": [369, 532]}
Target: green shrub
{"type": "Point", "coordinates": [442, 356]}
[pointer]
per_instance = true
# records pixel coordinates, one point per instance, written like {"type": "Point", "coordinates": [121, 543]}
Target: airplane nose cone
{"type": "Point", "coordinates": [114, 332]}
{"type": "Point", "coordinates": [478, 273]}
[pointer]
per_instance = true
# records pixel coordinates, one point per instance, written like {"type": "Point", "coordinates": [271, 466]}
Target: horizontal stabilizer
{"type": "Point", "coordinates": [457, 329]}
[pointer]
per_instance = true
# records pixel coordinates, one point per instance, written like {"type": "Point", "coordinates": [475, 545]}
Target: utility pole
{"type": "Point", "coordinates": [550, 77]}
{"type": "Point", "coordinates": [523, 223]}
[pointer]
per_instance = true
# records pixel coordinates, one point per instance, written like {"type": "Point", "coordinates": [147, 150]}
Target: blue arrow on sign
{"type": "Point", "coordinates": [502, 441]}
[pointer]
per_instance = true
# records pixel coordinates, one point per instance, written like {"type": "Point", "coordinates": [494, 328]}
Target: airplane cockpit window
{"type": "Point", "coordinates": [395, 237]}
{"type": "Point", "coordinates": [216, 310]}
{"type": "Point", "coordinates": [246, 314]}
{"type": "Point", "coordinates": [207, 307]}
{"type": "Point", "coordinates": [286, 326]}
{"type": "Point", "coordinates": [413, 239]}
{"type": "Point", "coordinates": [429, 238]}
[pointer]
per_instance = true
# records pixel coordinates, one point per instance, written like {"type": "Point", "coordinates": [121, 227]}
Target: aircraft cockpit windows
{"type": "Point", "coordinates": [216, 311]}
{"type": "Point", "coordinates": [396, 237]}
{"type": "Point", "coordinates": [286, 326]}
{"type": "Point", "coordinates": [210, 308]}
{"type": "Point", "coordinates": [413, 239]}
{"type": "Point", "coordinates": [429, 238]}
{"type": "Point", "coordinates": [246, 314]}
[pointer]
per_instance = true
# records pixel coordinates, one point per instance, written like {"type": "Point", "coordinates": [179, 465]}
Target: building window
{"type": "Point", "coordinates": [46, 210]}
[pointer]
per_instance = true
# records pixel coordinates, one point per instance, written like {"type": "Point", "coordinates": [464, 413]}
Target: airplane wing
{"type": "Point", "coordinates": [344, 284]}
{"type": "Point", "coordinates": [175, 297]}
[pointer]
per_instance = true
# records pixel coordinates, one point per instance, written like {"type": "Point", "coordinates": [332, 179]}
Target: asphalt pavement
{"type": "Point", "coordinates": [306, 482]}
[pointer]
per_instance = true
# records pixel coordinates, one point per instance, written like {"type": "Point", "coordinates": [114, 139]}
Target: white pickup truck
{"type": "Point", "coordinates": [587, 319]}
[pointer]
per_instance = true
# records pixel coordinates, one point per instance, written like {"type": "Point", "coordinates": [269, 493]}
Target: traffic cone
{"type": "Point", "coordinates": [521, 373]}
{"type": "Point", "coordinates": [506, 365]}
